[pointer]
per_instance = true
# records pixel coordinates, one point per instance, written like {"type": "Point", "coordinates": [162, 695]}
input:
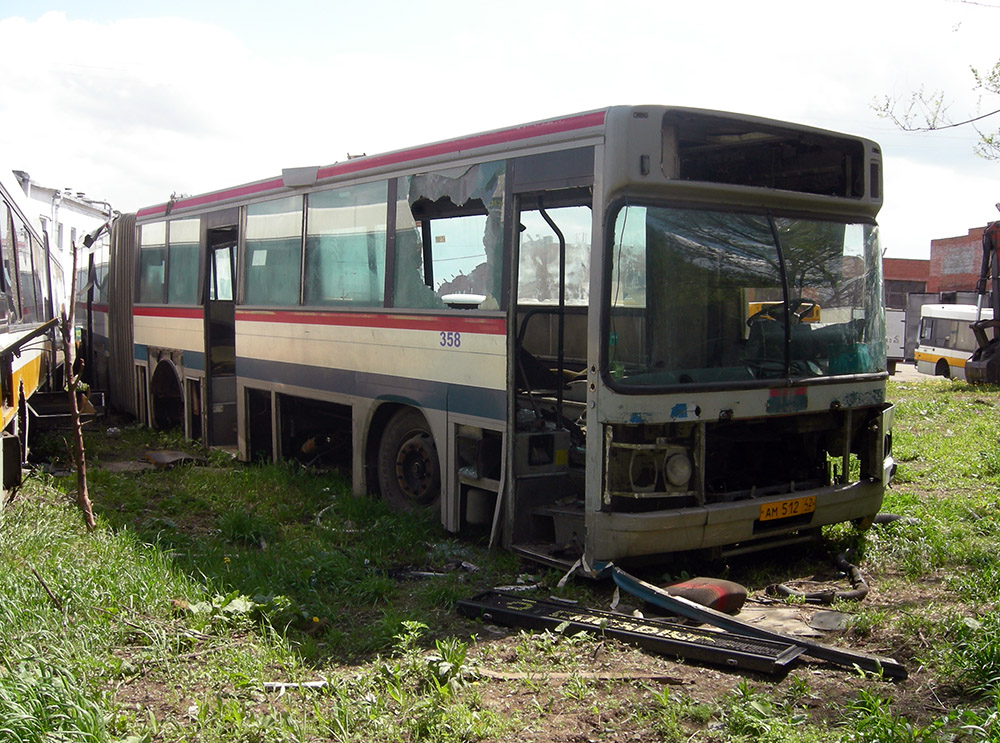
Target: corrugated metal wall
{"type": "Point", "coordinates": [121, 285]}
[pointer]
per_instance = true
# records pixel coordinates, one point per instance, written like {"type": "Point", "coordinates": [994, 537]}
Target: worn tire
{"type": "Point", "coordinates": [409, 472]}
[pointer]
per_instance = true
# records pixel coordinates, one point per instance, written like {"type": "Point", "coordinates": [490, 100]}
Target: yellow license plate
{"type": "Point", "coordinates": [785, 508]}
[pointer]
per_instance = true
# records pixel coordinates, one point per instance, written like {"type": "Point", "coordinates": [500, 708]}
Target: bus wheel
{"type": "Point", "coordinates": [942, 369]}
{"type": "Point", "coordinates": [409, 475]}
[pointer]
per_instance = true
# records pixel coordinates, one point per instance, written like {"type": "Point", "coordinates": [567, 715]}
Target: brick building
{"type": "Point", "coordinates": [955, 262]}
{"type": "Point", "coordinates": [953, 267]}
{"type": "Point", "coordinates": [904, 276]}
{"type": "Point", "coordinates": [948, 276]}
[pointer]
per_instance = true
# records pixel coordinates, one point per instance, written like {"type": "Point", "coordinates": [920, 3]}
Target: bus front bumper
{"type": "Point", "coordinates": [614, 536]}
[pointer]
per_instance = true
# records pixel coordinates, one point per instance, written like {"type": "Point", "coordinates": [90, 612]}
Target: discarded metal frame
{"type": "Point", "coordinates": [735, 651]}
{"type": "Point", "coordinates": [888, 667]}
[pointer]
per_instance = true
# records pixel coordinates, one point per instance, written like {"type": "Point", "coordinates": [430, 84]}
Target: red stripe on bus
{"type": "Point", "coordinates": [482, 325]}
{"type": "Point", "coordinates": [232, 193]}
{"type": "Point", "coordinates": [528, 131]}
{"type": "Point", "coordinates": [502, 136]}
{"type": "Point", "coordinates": [190, 313]}
{"type": "Point", "coordinates": [788, 392]}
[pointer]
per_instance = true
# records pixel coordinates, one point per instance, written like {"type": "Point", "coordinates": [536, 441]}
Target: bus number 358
{"type": "Point", "coordinates": [451, 339]}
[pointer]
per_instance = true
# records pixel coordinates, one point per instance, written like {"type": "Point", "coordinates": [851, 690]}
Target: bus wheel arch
{"type": "Point", "coordinates": [407, 463]}
{"type": "Point", "coordinates": [167, 397]}
{"type": "Point", "coordinates": [942, 369]}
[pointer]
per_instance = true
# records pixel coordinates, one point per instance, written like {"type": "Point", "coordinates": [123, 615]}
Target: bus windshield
{"type": "Point", "coordinates": [703, 297]}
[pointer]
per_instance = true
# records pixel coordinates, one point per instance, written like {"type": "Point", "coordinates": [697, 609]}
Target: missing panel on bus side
{"type": "Point", "coordinates": [316, 433]}
{"type": "Point", "coordinates": [259, 426]}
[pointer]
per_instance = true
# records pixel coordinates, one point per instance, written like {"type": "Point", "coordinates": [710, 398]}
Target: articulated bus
{"type": "Point", "coordinates": [946, 338]}
{"type": "Point", "coordinates": [28, 337]}
{"type": "Point", "coordinates": [618, 334]}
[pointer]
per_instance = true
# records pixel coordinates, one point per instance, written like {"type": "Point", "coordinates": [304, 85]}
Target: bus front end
{"type": "Point", "coordinates": [739, 397]}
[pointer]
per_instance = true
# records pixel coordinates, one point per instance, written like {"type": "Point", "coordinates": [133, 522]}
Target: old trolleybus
{"type": "Point", "coordinates": [618, 334]}
{"type": "Point", "coordinates": [28, 277]}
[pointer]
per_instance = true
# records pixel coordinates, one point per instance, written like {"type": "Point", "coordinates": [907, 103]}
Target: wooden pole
{"type": "Point", "coordinates": [67, 319]}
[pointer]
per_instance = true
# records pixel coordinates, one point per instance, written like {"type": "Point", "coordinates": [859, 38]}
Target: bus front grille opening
{"type": "Point", "coordinates": [669, 466]}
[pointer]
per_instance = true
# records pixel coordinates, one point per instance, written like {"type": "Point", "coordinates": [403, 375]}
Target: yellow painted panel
{"type": "Point", "coordinates": [29, 374]}
{"type": "Point", "coordinates": [933, 358]}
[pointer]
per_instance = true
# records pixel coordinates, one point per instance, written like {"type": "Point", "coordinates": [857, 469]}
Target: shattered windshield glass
{"type": "Point", "coordinates": [704, 297]}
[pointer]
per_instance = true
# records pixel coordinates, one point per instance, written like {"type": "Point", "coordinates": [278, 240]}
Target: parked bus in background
{"type": "Point", "coordinates": [28, 357]}
{"type": "Point", "coordinates": [946, 338]}
{"type": "Point", "coordinates": [585, 335]}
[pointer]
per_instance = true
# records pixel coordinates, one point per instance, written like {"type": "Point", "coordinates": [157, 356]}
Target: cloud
{"type": "Point", "coordinates": [134, 109]}
{"type": "Point", "coordinates": [932, 201]}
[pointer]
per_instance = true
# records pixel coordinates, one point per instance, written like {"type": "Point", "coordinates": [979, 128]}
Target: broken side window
{"type": "Point", "coordinates": [449, 238]}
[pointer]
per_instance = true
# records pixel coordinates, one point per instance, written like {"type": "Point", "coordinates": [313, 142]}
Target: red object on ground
{"type": "Point", "coordinates": [715, 593]}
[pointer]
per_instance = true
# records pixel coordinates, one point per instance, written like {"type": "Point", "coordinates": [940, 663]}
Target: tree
{"type": "Point", "coordinates": [927, 112]}
{"type": "Point", "coordinates": [67, 328]}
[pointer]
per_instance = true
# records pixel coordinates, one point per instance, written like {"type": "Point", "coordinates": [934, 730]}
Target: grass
{"type": "Point", "coordinates": [206, 581]}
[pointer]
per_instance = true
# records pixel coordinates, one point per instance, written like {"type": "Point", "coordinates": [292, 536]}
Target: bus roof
{"type": "Point", "coordinates": [565, 128]}
{"type": "Point", "coordinates": [14, 195]}
{"type": "Point", "coordinates": [566, 131]}
{"type": "Point", "coordinates": [955, 312]}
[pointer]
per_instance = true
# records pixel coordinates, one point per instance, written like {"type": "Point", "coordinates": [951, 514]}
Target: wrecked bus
{"type": "Point", "coordinates": [617, 334]}
{"type": "Point", "coordinates": [31, 282]}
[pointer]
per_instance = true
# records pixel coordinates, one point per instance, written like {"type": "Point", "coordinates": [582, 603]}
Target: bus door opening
{"type": "Point", "coordinates": [220, 337]}
{"type": "Point", "coordinates": [550, 372]}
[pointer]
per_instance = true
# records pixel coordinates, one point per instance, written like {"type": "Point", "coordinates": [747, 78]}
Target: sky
{"type": "Point", "coordinates": [133, 101]}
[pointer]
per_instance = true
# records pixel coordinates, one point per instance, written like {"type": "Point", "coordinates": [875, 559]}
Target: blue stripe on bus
{"type": "Point", "coordinates": [194, 360]}
{"type": "Point", "coordinates": [455, 398]}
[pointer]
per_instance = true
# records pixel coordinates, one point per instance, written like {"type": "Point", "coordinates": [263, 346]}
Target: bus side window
{"type": "Point", "coordinates": [101, 277]}
{"type": "Point", "coordinates": [345, 246]}
{"type": "Point", "coordinates": [538, 256]}
{"type": "Point", "coordinates": [274, 252]}
{"type": "Point", "coordinates": [9, 308]}
{"type": "Point", "coordinates": [183, 263]}
{"type": "Point", "coordinates": [449, 238]}
{"type": "Point", "coordinates": [152, 262]}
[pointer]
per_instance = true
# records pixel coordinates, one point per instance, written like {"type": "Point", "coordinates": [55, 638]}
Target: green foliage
{"type": "Point", "coordinates": [875, 721]}
{"type": "Point", "coordinates": [748, 714]}
{"type": "Point", "coordinates": [974, 653]}
{"type": "Point", "coordinates": [244, 527]}
{"type": "Point", "coordinates": [204, 582]}
{"type": "Point", "coordinates": [673, 713]}
{"type": "Point", "coordinates": [410, 697]}
{"type": "Point", "coordinates": [40, 703]}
